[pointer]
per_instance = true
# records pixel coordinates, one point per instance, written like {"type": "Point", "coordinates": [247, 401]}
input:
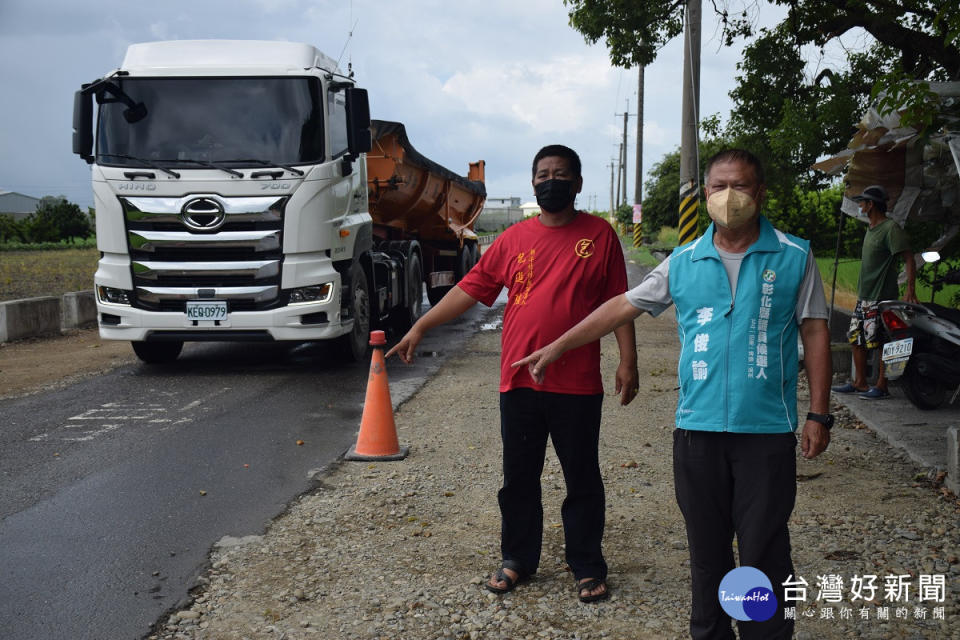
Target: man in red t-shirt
{"type": "Point", "coordinates": [558, 266]}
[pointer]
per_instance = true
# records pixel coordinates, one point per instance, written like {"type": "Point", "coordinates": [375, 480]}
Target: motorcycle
{"type": "Point", "coordinates": [923, 349]}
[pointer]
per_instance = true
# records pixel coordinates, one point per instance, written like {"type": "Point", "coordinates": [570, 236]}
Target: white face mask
{"type": "Point", "coordinates": [731, 208]}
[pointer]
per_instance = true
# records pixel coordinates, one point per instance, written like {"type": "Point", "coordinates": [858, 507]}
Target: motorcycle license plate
{"type": "Point", "coordinates": [893, 351]}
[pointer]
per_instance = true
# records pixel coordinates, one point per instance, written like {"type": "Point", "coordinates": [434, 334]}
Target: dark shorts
{"type": "Point", "coordinates": [865, 325]}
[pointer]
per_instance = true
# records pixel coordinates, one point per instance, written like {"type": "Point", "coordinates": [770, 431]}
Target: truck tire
{"type": "Point", "coordinates": [435, 294]}
{"type": "Point", "coordinates": [403, 317]}
{"type": "Point", "coordinates": [157, 352]}
{"type": "Point", "coordinates": [464, 262]}
{"type": "Point", "coordinates": [354, 346]}
{"type": "Point", "coordinates": [475, 252]}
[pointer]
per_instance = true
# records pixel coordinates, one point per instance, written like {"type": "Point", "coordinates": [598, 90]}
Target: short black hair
{"type": "Point", "coordinates": [735, 155]}
{"type": "Point", "coordinates": [560, 151]}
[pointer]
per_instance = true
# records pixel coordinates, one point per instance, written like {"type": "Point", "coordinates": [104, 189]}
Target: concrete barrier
{"type": "Point", "coordinates": [78, 309]}
{"type": "Point", "coordinates": [953, 460]}
{"type": "Point", "coordinates": [49, 315]}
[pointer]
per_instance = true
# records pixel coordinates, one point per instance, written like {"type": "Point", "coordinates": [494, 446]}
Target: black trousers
{"type": "Point", "coordinates": [743, 484]}
{"type": "Point", "coordinates": [572, 422]}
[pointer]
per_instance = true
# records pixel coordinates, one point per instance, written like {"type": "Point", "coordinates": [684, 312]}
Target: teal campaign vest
{"type": "Point", "coordinates": [738, 353]}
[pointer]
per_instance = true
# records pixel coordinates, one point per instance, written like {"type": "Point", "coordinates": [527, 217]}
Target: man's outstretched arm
{"type": "Point", "coordinates": [452, 305]}
{"type": "Point", "coordinates": [604, 319]}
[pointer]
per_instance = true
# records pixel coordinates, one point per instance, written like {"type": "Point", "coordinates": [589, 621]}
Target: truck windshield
{"type": "Point", "coordinates": [192, 121]}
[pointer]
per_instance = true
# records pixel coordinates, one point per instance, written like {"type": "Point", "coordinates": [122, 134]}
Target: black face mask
{"type": "Point", "coordinates": [554, 195]}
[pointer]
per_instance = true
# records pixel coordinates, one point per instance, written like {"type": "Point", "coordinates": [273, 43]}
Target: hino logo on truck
{"type": "Point", "coordinates": [203, 214]}
{"type": "Point", "coordinates": [137, 186]}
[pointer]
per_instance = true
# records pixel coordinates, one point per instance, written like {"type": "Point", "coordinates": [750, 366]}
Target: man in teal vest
{"type": "Point", "coordinates": [743, 294]}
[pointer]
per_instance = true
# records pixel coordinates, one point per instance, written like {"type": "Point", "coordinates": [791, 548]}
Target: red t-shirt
{"type": "Point", "coordinates": [556, 277]}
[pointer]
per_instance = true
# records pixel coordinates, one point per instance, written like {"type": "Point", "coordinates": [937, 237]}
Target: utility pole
{"type": "Point", "coordinates": [624, 164]}
{"type": "Point", "coordinates": [619, 172]}
{"type": "Point", "coordinates": [638, 186]}
{"type": "Point", "coordinates": [612, 209]}
{"type": "Point", "coordinates": [689, 165]}
{"type": "Point", "coordinates": [638, 172]}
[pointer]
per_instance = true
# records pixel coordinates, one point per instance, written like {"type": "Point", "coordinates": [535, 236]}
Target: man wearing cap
{"type": "Point", "coordinates": [883, 243]}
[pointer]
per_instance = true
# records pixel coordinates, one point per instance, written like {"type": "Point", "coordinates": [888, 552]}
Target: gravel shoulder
{"type": "Point", "coordinates": [34, 364]}
{"type": "Point", "coordinates": [401, 549]}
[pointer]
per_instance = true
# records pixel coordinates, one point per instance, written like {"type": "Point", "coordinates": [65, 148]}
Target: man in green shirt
{"type": "Point", "coordinates": [884, 243]}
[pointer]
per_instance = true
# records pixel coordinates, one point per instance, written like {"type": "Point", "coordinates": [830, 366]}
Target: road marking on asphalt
{"type": "Point", "coordinates": [196, 403]}
{"type": "Point", "coordinates": [107, 418]}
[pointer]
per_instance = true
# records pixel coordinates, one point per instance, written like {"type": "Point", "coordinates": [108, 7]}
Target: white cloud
{"type": "Point", "coordinates": [551, 96]}
{"type": "Point", "coordinates": [494, 80]}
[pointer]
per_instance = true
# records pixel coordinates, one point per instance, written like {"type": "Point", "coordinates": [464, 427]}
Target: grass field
{"type": "Point", "coordinates": [30, 274]}
{"type": "Point", "coordinates": [849, 270]}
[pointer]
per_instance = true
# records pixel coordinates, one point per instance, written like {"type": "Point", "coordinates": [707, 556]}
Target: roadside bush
{"type": "Point", "coordinates": [89, 242]}
{"type": "Point", "coordinates": [9, 229]}
{"type": "Point", "coordinates": [54, 220]}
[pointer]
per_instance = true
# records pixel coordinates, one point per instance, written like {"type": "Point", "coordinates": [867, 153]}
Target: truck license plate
{"type": "Point", "coordinates": [897, 349]}
{"type": "Point", "coordinates": [204, 310]}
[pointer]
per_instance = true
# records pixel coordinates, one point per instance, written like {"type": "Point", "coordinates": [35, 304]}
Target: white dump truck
{"type": "Point", "coordinates": [243, 193]}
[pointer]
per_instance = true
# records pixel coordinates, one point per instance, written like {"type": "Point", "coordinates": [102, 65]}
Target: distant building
{"type": "Point", "coordinates": [499, 213]}
{"type": "Point", "coordinates": [17, 205]}
{"type": "Point", "coordinates": [530, 209]}
{"type": "Point", "coordinates": [502, 203]}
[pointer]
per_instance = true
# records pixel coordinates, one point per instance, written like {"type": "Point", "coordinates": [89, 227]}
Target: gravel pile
{"type": "Point", "coordinates": [401, 549]}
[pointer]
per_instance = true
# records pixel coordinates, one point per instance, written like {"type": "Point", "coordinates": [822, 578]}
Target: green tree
{"type": "Point", "coordinates": [790, 120]}
{"type": "Point", "coordinates": [661, 202]}
{"type": "Point", "coordinates": [814, 214]}
{"type": "Point", "coordinates": [925, 33]}
{"type": "Point", "coordinates": [57, 219]}
{"type": "Point", "coordinates": [785, 117]}
{"type": "Point", "coordinates": [10, 229]}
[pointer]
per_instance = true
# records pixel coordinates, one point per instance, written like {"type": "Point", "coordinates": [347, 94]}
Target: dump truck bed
{"type": "Point", "coordinates": [410, 192]}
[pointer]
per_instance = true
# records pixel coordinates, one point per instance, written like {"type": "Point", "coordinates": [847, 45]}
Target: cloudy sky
{"type": "Point", "coordinates": [492, 80]}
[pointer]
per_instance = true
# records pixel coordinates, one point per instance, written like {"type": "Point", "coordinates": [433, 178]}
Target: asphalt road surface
{"type": "Point", "coordinates": [114, 489]}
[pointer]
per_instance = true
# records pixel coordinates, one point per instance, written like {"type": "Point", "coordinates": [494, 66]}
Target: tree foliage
{"type": "Point", "coordinates": [923, 32]}
{"type": "Point", "coordinates": [54, 220]}
{"type": "Point", "coordinates": [782, 112]}
{"type": "Point", "coordinates": [66, 218]}
{"type": "Point", "coordinates": [661, 202]}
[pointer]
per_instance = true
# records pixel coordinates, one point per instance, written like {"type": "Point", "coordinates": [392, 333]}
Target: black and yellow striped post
{"type": "Point", "coordinates": [637, 226]}
{"type": "Point", "coordinates": [689, 206]}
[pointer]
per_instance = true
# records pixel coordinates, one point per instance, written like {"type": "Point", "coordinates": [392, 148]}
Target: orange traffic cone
{"type": "Point", "coordinates": [377, 439]}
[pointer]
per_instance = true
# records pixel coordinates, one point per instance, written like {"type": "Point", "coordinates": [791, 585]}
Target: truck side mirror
{"type": "Point", "coordinates": [83, 125]}
{"type": "Point", "coordinates": [358, 121]}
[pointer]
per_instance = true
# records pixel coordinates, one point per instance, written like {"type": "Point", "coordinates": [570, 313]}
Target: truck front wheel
{"type": "Point", "coordinates": [353, 346]}
{"type": "Point", "coordinates": [157, 352]}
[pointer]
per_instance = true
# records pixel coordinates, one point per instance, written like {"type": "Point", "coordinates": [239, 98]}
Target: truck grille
{"type": "Point", "coordinates": [205, 247]}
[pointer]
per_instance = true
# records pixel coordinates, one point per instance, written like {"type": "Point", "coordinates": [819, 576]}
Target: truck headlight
{"type": "Point", "coordinates": [112, 295]}
{"type": "Point", "coordinates": [313, 293]}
